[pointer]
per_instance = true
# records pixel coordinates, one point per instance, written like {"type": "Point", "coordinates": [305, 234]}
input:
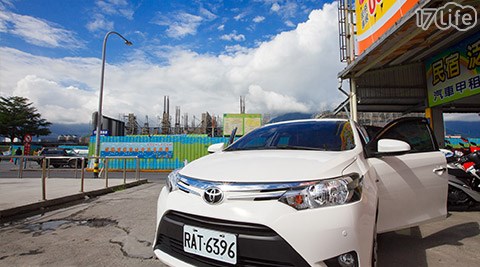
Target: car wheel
{"type": "Point", "coordinates": [457, 199]}
{"type": "Point", "coordinates": [72, 164]}
{"type": "Point", "coordinates": [457, 196]}
{"type": "Point", "coordinates": [375, 242]}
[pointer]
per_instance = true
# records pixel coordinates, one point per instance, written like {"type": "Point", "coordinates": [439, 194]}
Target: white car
{"type": "Point", "coordinates": [301, 193]}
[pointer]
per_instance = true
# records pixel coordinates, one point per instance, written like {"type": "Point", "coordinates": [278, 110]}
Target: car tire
{"type": "Point", "coordinates": [73, 164]}
{"type": "Point", "coordinates": [457, 197]}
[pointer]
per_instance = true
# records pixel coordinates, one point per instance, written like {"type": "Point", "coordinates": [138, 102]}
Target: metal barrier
{"type": "Point", "coordinates": [105, 168]}
{"type": "Point", "coordinates": [46, 162]}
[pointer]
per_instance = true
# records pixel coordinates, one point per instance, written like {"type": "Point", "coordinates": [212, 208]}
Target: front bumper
{"type": "Point", "coordinates": [269, 233]}
{"type": "Point", "coordinates": [258, 245]}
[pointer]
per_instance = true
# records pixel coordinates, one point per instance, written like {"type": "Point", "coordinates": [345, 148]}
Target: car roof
{"type": "Point", "coordinates": [307, 120]}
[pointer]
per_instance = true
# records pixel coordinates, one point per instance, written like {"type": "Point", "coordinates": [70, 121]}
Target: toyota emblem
{"type": "Point", "coordinates": [213, 195]}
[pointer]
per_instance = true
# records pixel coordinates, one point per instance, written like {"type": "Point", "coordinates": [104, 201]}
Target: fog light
{"type": "Point", "coordinates": [346, 260]}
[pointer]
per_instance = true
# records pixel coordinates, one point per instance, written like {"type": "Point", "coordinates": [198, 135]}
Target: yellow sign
{"type": "Point", "coordinates": [243, 122]}
{"type": "Point", "coordinates": [375, 17]}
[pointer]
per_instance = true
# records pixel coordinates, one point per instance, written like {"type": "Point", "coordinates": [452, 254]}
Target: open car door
{"type": "Point", "coordinates": [412, 187]}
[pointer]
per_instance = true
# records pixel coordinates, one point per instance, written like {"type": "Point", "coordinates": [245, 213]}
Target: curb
{"type": "Point", "coordinates": [61, 202]}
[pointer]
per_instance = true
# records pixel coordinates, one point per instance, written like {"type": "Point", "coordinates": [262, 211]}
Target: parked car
{"type": "Point", "coordinates": [301, 193]}
{"type": "Point", "coordinates": [59, 157]}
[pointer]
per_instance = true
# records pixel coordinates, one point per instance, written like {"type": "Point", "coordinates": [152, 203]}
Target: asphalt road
{"type": "Point", "coordinates": [118, 229]}
{"type": "Point", "coordinates": [113, 230]}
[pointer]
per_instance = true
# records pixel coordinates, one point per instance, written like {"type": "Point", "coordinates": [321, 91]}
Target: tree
{"type": "Point", "coordinates": [18, 118]}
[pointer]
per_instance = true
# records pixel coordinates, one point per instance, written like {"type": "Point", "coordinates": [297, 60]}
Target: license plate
{"type": "Point", "coordinates": [210, 244]}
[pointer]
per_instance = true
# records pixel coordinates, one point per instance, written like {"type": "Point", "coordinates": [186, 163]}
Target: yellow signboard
{"type": "Point", "coordinates": [375, 17]}
{"type": "Point", "coordinates": [243, 122]}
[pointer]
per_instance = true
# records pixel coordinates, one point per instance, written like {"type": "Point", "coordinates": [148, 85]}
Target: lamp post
{"type": "Point", "coordinates": [100, 102]}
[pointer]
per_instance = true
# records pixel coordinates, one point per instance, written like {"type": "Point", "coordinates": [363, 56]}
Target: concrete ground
{"type": "Point", "coordinates": [117, 229]}
{"type": "Point", "coordinates": [16, 192]}
{"type": "Point", "coordinates": [454, 241]}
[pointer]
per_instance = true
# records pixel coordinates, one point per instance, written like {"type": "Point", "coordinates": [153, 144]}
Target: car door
{"type": "Point", "coordinates": [412, 187]}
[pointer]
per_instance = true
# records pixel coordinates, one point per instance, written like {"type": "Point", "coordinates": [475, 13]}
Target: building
{"type": "Point", "coordinates": [411, 56]}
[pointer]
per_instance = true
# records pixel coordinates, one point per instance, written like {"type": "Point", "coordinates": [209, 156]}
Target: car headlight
{"type": "Point", "coordinates": [324, 193]}
{"type": "Point", "coordinates": [172, 179]}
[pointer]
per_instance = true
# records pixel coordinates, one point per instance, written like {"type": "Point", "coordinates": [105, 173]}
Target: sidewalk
{"type": "Point", "coordinates": [20, 197]}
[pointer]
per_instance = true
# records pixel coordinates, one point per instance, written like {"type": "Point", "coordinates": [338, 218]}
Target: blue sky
{"type": "Point", "coordinates": [282, 55]}
{"type": "Point", "coordinates": [206, 27]}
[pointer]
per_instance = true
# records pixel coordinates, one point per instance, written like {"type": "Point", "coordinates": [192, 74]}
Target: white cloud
{"type": "Point", "coordinates": [3, 21]}
{"type": "Point", "coordinates": [240, 16]}
{"type": "Point", "coordinates": [221, 27]}
{"type": "Point", "coordinates": [236, 49]}
{"type": "Point", "coordinates": [108, 8]}
{"type": "Point", "coordinates": [289, 23]}
{"type": "Point", "coordinates": [258, 19]}
{"type": "Point", "coordinates": [116, 7]}
{"type": "Point", "coordinates": [233, 37]}
{"type": "Point", "coordinates": [275, 7]}
{"type": "Point", "coordinates": [6, 3]}
{"type": "Point", "coordinates": [286, 10]}
{"type": "Point", "coordinates": [180, 24]}
{"type": "Point", "coordinates": [100, 23]}
{"type": "Point", "coordinates": [65, 104]}
{"type": "Point", "coordinates": [273, 102]}
{"type": "Point", "coordinates": [37, 32]}
{"type": "Point", "coordinates": [207, 14]}
{"type": "Point", "coordinates": [294, 71]}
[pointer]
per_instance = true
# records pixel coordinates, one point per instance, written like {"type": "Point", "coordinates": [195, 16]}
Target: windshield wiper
{"type": "Point", "coordinates": [243, 148]}
{"type": "Point", "coordinates": [277, 147]}
{"type": "Point", "coordinates": [295, 147]}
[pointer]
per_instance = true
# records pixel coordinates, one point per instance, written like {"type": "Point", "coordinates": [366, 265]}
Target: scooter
{"type": "Point", "coordinates": [463, 183]}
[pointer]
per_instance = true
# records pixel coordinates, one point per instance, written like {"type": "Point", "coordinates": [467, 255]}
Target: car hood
{"type": "Point", "coordinates": [269, 166]}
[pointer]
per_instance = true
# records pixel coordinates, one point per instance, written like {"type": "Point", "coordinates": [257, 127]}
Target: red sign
{"type": "Point", "coordinates": [27, 138]}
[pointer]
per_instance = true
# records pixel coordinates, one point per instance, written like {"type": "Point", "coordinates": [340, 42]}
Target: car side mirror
{"type": "Point", "coordinates": [392, 146]}
{"type": "Point", "coordinates": [215, 147]}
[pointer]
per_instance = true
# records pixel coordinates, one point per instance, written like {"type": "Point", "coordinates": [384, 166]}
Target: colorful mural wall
{"type": "Point", "coordinates": [156, 152]}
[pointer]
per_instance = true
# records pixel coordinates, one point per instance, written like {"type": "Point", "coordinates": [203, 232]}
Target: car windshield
{"type": "Point", "coordinates": [300, 135]}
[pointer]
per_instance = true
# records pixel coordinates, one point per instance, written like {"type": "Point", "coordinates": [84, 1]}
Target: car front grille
{"type": "Point", "coordinates": [257, 245]}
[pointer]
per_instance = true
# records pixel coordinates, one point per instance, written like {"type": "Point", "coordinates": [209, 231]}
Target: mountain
{"type": "Point", "coordinates": [463, 128]}
{"type": "Point", "coordinates": [79, 130]}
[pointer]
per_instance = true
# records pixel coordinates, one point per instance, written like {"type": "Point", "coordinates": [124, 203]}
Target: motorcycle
{"type": "Point", "coordinates": [463, 182]}
{"type": "Point", "coordinates": [463, 150]}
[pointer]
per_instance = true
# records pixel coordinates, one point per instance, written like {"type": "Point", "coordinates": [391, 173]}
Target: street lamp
{"type": "Point", "coordinates": [100, 101]}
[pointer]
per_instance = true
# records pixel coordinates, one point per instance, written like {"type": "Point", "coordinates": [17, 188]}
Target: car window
{"type": "Point", "coordinates": [306, 135]}
{"type": "Point", "coordinates": [372, 131]}
{"type": "Point", "coordinates": [415, 132]}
